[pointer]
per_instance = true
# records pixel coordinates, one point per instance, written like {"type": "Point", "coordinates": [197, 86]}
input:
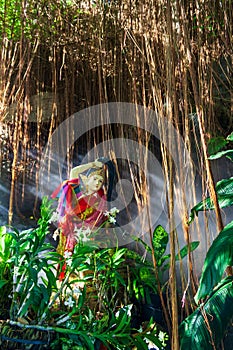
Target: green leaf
{"type": "Point", "coordinates": [230, 137]}
{"type": "Point", "coordinates": [2, 283]}
{"type": "Point", "coordinates": [24, 308]}
{"type": "Point", "coordinates": [160, 241]}
{"type": "Point", "coordinates": [146, 246]}
{"type": "Point", "coordinates": [118, 255]}
{"type": "Point", "coordinates": [2, 230]}
{"type": "Point", "coordinates": [228, 153]}
{"type": "Point", "coordinates": [224, 190]}
{"type": "Point", "coordinates": [46, 293]}
{"type": "Point", "coordinates": [36, 243]}
{"type": "Point", "coordinates": [84, 249]}
{"type": "Point", "coordinates": [218, 257]}
{"type": "Point", "coordinates": [224, 187]}
{"type": "Point", "coordinates": [182, 253]}
{"type": "Point", "coordinates": [123, 318]}
{"type": "Point", "coordinates": [5, 244]}
{"type": "Point", "coordinates": [13, 235]}
{"type": "Point", "coordinates": [81, 300]}
{"type": "Point", "coordinates": [33, 274]}
{"type": "Point", "coordinates": [133, 255]}
{"type": "Point", "coordinates": [140, 344]}
{"type": "Point", "coordinates": [208, 323]}
{"type": "Point", "coordinates": [215, 144]}
{"type": "Point", "coordinates": [119, 278]}
{"type": "Point", "coordinates": [88, 341]}
{"type": "Point", "coordinates": [186, 249]}
{"type": "Point", "coordinates": [154, 339]}
{"type": "Point", "coordinates": [164, 258]}
{"type": "Point", "coordinates": [146, 273]}
{"type": "Point", "coordinates": [51, 277]}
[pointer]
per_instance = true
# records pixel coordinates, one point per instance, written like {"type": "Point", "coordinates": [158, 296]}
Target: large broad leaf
{"type": "Point", "coordinates": [5, 244]}
{"type": "Point", "coordinates": [218, 257]}
{"type": "Point", "coordinates": [215, 144]}
{"type": "Point", "coordinates": [160, 241]}
{"type": "Point", "coordinates": [186, 249]}
{"type": "Point", "coordinates": [182, 253]}
{"type": "Point", "coordinates": [207, 325]}
{"type": "Point", "coordinates": [224, 189]}
{"type": "Point", "coordinates": [2, 230]}
{"type": "Point", "coordinates": [228, 153]}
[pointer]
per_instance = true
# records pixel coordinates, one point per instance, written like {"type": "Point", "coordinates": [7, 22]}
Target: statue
{"type": "Point", "coordinates": [82, 203]}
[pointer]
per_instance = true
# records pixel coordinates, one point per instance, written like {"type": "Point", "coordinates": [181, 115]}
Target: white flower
{"type": "Point", "coordinates": [111, 215]}
{"type": "Point", "coordinates": [69, 302]}
{"type": "Point", "coordinates": [112, 220]}
{"type": "Point", "coordinates": [150, 344]}
{"type": "Point", "coordinates": [55, 217]}
{"type": "Point", "coordinates": [161, 335]}
{"type": "Point", "coordinates": [114, 211]}
{"type": "Point", "coordinates": [88, 231]}
{"type": "Point", "coordinates": [84, 237]}
{"type": "Point", "coordinates": [126, 309]}
{"type": "Point", "coordinates": [82, 234]}
{"type": "Point", "coordinates": [77, 232]}
{"type": "Point", "coordinates": [56, 234]}
{"type": "Point", "coordinates": [77, 291]}
{"type": "Point", "coordinates": [67, 254]}
{"type": "Point", "coordinates": [88, 261]}
{"type": "Point", "coordinates": [69, 262]}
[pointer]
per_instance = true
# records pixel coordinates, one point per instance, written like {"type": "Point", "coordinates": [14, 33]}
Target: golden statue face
{"type": "Point", "coordinates": [94, 182]}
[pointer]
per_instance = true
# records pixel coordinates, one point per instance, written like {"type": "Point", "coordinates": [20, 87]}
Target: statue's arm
{"type": "Point", "coordinates": [84, 167]}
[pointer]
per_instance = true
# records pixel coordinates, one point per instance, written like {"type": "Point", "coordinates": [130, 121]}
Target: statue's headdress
{"type": "Point", "coordinates": [95, 171]}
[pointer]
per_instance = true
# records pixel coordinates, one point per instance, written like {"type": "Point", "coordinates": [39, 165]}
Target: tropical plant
{"type": "Point", "coordinates": [31, 272]}
{"type": "Point", "coordinates": [205, 327]}
{"type": "Point", "coordinates": [40, 304]}
{"type": "Point", "coordinates": [214, 313]}
{"type": "Point", "coordinates": [5, 270]}
{"type": "Point", "coordinates": [224, 187]}
{"type": "Point", "coordinates": [108, 282]}
{"type": "Point", "coordinates": [149, 274]}
{"type": "Point", "coordinates": [5, 253]}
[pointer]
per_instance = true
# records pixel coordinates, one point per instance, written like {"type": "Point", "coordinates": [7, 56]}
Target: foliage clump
{"type": "Point", "coordinates": [87, 308]}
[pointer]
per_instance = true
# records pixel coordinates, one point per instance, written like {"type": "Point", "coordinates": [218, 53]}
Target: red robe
{"type": "Point", "coordinates": [76, 211]}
